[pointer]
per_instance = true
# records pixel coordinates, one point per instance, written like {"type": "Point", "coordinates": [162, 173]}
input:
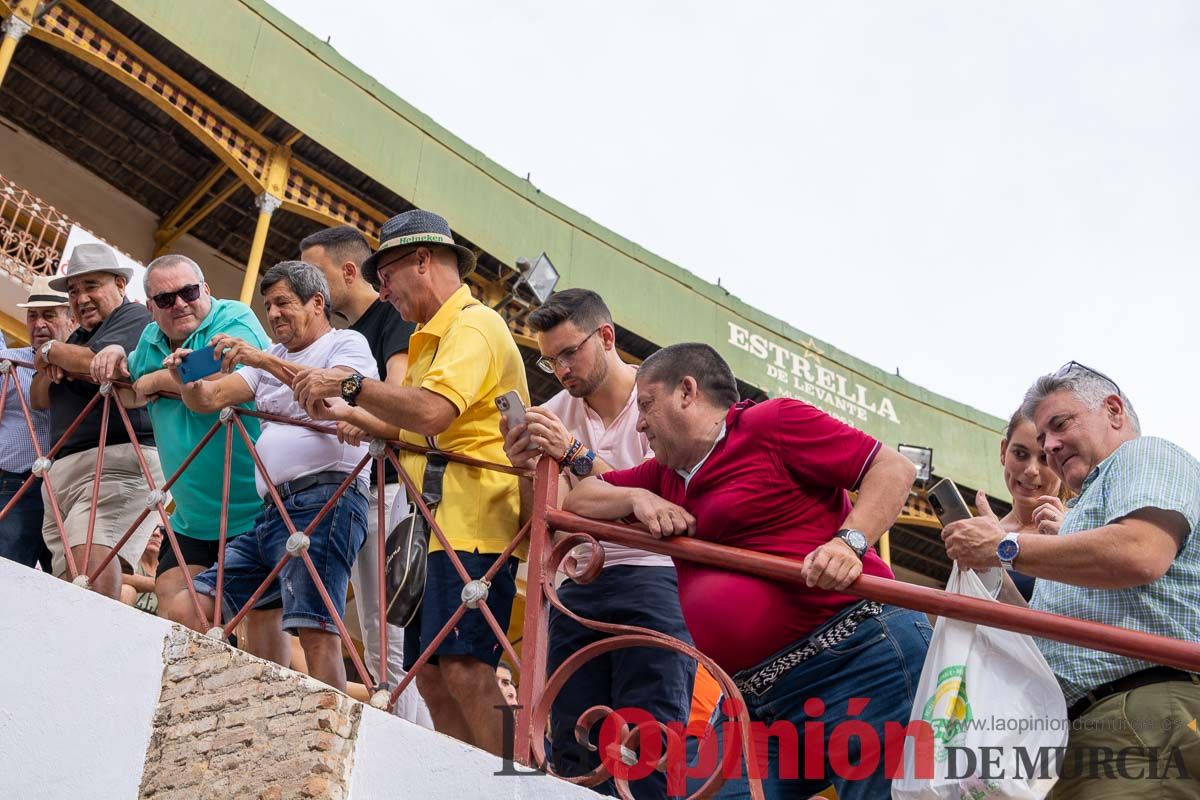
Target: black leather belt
{"type": "Point", "coordinates": [1137, 680]}
{"type": "Point", "coordinates": [289, 488]}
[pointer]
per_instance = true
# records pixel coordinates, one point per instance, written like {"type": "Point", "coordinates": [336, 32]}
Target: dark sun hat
{"type": "Point", "coordinates": [413, 229]}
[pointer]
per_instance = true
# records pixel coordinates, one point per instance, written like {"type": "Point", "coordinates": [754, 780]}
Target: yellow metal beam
{"type": "Point", "coordinates": [242, 148]}
{"type": "Point", "coordinates": [170, 237]}
{"type": "Point", "coordinates": [171, 221]}
{"type": "Point", "coordinates": [267, 204]}
{"type": "Point", "coordinates": [15, 25]}
{"type": "Point", "coordinates": [15, 331]}
{"type": "Point", "coordinates": [85, 35]}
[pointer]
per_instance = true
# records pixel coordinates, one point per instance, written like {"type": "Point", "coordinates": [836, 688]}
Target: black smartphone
{"type": "Point", "coordinates": [199, 364]}
{"type": "Point", "coordinates": [948, 503]}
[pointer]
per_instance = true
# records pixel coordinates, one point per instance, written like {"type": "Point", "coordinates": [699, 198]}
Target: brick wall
{"type": "Point", "coordinates": [229, 725]}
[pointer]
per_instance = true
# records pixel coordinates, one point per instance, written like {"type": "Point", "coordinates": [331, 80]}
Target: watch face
{"type": "Point", "coordinates": [857, 540]}
{"type": "Point", "coordinates": [1007, 550]}
{"type": "Point", "coordinates": [582, 466]}
{"type": "Point", "coordinates": [349, 385]}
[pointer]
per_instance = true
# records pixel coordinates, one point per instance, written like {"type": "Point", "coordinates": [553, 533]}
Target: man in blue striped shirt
{"type": "Point", "coordinates": [46, 318]}
{"type": "Point", "coordinates": [1128, 555]}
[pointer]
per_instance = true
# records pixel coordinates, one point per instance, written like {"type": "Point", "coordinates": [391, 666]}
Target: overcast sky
{"type": "Point", "coordinates": [974, 193]}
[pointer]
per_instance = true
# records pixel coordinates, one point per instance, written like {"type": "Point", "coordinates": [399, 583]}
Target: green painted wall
{"type": "Point", "coordinates": [307, 83]}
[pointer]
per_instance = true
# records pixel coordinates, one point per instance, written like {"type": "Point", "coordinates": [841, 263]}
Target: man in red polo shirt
{"type": "Point", "coordinates": [774, 477]}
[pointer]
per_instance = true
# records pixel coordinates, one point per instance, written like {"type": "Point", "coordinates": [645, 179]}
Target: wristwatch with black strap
{"type": "Point", "coordinates": [351, 386]}
{"type": "Point", "coordinates": [857, 540]}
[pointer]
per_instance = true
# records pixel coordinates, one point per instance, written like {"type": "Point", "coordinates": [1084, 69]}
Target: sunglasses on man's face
{"type": "Point", "coordinates": [189, 294]}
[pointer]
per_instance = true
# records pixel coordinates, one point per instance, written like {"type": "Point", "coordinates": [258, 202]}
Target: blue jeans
{"type": "Point", "coordinates": [333, 546]}
{"type": "Point", "coordinates": [21, 531]}
{"type": "Point", "coordinates": [879, 665]}
{"type": "Point", "coordinates": [658, 682]}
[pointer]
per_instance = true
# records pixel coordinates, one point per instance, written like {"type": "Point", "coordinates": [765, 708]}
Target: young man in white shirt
{"type": "Point", "coordinates": [590, 428]}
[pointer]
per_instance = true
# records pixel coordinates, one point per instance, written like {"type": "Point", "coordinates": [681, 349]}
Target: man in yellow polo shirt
{"type": "Point", "coordinates": [460, 359]}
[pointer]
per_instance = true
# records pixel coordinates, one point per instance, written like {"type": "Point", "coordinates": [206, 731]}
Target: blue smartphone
{"type": "Point", "coordinates": [199, 364]}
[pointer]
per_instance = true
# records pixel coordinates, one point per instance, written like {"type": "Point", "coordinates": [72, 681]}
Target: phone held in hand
{"type": "Point", "coordinates": [948, 503]}
{"type": "Point", "coordinates": [511, 408]}
{"type": "Point", "coordinates": [199, 364]}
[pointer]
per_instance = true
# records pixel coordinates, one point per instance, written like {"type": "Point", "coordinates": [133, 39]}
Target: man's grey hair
{"type": "Point", "coordinates": [302, 278]}
{"type": "Point", "coordinates": [1090, 387]}
{"type": "Point", "coordinates": [170, 260]}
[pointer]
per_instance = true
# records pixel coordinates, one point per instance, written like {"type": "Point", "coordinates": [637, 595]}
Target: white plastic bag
{"type": "Point", "coordinates": [996, 711]}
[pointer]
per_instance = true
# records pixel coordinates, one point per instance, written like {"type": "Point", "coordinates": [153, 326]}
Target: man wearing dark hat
{"type": "Point", "coordinates": [109, 324]}
{"type": "Point", "coordinates": [46, 319]}
{"type": "Point", "coordinates": [461, 358]}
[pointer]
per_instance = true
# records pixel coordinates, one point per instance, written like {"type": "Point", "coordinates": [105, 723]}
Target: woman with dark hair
{"type": "Point", "coordinates": [1037, 493]}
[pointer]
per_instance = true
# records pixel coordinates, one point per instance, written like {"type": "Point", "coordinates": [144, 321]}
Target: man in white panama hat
{"type": "Point", "coordinates": [109, 327]}
{"type": "Point", "coordinates": [46, 319]}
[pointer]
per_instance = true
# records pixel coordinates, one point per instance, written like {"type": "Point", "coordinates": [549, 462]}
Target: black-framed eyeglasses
{"type": "Point", "coordinates": [564, 357]}
{"type": "Point", "coordinates": [189, 294]}
{"type": "Point", "coordinates": [1066, 368]}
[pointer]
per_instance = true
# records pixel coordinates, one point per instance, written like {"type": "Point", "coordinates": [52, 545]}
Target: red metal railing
{"type": "Point", "coordinates": [537, 690]}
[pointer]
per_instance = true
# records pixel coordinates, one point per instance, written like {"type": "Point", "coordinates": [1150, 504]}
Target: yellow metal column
{"type": "Point", "coordinates": [885, 547]}
{"type": "Point", "coordinates": [14, 28]}
{"type": "Point", "coordinates": [267, 205]}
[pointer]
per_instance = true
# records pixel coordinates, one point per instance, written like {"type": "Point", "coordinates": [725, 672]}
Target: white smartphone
{"type": "Point", "coordinates": [511, 408]}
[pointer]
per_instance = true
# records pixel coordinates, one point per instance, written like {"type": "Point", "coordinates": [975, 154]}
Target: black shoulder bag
{"type": "Point", "coordinates": [407, 545]}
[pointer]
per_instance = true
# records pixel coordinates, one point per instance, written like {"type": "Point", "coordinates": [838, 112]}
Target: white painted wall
{"type": "Point", "coordinates": [79, 683]}
{"type": "Point", "coordinates": [397, 760]}
{"type": "Point", "coordinates": [80, 677]}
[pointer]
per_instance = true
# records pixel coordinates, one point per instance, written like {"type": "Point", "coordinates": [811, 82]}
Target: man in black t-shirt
{"type": "Point", "coordinates": [109, 323]}
{"type": "Point", "coordinates": [339, 253]}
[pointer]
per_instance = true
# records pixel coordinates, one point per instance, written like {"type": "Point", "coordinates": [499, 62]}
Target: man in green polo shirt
{"type": "Point", "coordinates": [186, 315]}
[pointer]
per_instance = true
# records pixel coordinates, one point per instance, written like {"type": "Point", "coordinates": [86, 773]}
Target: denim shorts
{"type": "Point", "coordinates": [333, 546]}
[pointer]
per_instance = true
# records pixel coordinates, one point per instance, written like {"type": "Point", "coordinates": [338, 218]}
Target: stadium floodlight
{"type": "Point", "coordinates": [922, 458]}
{"type": "Point", "coordinates": [541, 277]}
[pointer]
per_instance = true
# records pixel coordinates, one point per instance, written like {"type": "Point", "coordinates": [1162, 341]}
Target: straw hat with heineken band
{"type": "Point", "coordinates": [42, 296]}
{"type": "Point", "coordinates": [411, 230]}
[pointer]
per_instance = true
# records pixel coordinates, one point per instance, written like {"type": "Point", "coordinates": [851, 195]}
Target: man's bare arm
{"type": "Point", "coordinates": [72, 358]}
{"type": "Point", "coordinates": [596, 499]}
{"type": "Point", "coordinates": [881, 494]}
{"type": "Point", "coordinates": [149, 386]}
{"type": "Point", "coordinates": [421, 411]}
{"type": "Point", "coordinates": [1133, 551]}
{"type": "Point", "coordinates": [205, 397]}
{"type": "Point", "coordinates": [39, 392]}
